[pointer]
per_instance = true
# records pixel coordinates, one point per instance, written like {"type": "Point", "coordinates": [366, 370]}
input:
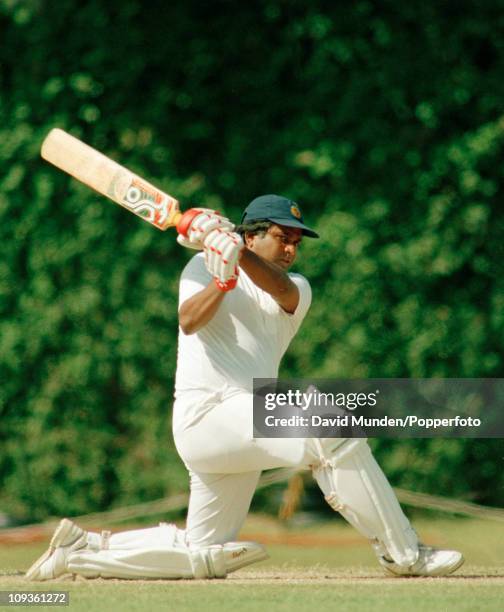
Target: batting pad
{"type": "Point", "coordinates": [166, 534]}
{"type": "Point", "coordinates": [355, 486]}
{"type": "Point", "coordinates": [159, 552]}
{"type": "Point", "coordinates": [146, 563]}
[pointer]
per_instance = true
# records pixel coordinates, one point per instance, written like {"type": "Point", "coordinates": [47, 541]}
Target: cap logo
{"type": "Point", "coordinates": [295, 212]}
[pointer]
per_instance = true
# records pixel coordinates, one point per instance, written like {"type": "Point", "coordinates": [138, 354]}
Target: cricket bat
{"type": "Point", "coordinates": [109, 178]}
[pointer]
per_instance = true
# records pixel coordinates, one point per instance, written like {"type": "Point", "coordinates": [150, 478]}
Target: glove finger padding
{"type": "Point", "coordinates": [228, 260]}
{"type": "Point", "coordinates": [197, 223]}
{"type": "Point", "coordinates": [206, 222]}
{"type": "Point", "coordinates": [211, 260]}
{"type": "Point", "coordinates": [185, 242]}
{"type": "Point", "coordinates": [222, 250]}
{"type": "Point", "coordinates": [225, 246]}
{"type": "Point", "coordinates": [213, 252]}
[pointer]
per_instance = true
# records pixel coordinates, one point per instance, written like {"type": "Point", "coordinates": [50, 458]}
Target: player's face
{"type": "Point", "coordinates": [278, 245]}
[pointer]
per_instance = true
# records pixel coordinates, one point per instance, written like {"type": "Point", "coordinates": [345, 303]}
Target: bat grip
{"type": "Point", "coordinates": [183, 223]}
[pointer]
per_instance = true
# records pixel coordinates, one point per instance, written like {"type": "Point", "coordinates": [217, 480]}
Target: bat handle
{"type": "Point", "coordinates": [176, 219]}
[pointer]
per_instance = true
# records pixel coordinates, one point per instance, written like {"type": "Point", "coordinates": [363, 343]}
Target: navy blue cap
{"type": "Point", "coordinates": [278, 210]}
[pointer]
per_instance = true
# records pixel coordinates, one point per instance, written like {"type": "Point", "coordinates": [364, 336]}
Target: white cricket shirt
{"type": "Point", "coordinates": [246, 339]}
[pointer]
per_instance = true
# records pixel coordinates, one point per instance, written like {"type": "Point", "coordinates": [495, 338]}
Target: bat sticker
{"type": "Point", "coordinates": [142, 199]}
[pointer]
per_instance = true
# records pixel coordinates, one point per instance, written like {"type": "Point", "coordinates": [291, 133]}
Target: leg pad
{"type": "Point", "coordinates": [354, 485]}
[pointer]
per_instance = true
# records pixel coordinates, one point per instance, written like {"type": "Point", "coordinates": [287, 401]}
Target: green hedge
{"type": "Point", "coordinates": [385, 123]}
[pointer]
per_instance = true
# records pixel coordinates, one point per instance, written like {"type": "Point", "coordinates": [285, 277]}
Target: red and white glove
{"type": "Point", "coordinates": [197, 223]}
{"type": "Point", "coordinates": [222, 249]}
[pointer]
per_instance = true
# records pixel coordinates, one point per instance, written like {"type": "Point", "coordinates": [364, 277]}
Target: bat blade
{"type": "Point", "coordinates": [110, 179]}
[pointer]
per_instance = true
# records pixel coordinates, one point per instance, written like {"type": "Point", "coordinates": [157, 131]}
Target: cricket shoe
{"type": "Point", "coordinates": [240, 554]}
{"type": "Point", "coordinates": [53, 563]}
{"type": "Point", "coordinates": [431, 562]}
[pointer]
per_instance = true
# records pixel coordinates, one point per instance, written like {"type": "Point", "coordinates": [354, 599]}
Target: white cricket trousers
{"type": "Point", "coordinates": [225, 461]}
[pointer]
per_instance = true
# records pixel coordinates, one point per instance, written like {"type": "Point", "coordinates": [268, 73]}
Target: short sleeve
{"type": "Point", "coordinates": [194, 278]}
{"type": "Point", "coordinates": [305, 297]}
{"type": "Point", "coordinates": [305, 293]}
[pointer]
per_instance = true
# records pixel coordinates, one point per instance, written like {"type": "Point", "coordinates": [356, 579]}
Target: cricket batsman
{"type": "Point", "coordinates": [239, 309]}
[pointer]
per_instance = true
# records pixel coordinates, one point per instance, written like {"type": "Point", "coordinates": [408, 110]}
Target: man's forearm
{"type": "Point", "coordinates": [270, 278]}
{"type": "Point", "coordinates": [200, 309]}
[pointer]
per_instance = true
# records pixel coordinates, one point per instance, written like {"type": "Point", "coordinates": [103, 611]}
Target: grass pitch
{"type": "Point", "coordinates": [313, 567]}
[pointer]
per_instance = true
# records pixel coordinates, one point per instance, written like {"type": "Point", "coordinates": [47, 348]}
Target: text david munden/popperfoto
{"type": "Point", "coordinates": [348, 420]}
{"type": "Point", "coordinates": [376, 408]}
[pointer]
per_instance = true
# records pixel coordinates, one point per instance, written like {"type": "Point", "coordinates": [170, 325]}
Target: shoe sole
{"type": "Point", "coordinates": [61, 532]}
{"type": "Point", "coordinates": [453, 569]}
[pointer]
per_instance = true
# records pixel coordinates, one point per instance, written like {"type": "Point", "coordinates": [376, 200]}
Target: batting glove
{"type": "Point", "coordinates": [197, 223]}
{"type": "Point", "coordinates": [222, 249]}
